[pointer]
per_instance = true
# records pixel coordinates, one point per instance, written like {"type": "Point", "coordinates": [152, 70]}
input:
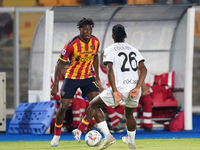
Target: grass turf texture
{"type": "Point", "coordinates": [145, 144]}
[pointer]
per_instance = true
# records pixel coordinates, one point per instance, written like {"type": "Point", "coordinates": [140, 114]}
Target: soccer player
{"type": "Point", "coordinates": [122, 63]}
{"type": "Point", "coordinates": [77, 107]}
{"type": "Point", "coordinates": [83, 49]}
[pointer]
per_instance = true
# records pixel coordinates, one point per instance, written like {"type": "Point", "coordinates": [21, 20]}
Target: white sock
{"type": "Point", "coordinates": [131, 136]}
{"type": "Point", "coordinates": [79, 131]}
{"type": "Point", "coordinates": [104, 129]}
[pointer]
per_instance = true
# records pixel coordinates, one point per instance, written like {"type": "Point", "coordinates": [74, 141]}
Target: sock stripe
{"type": "Point", "coordinates": [58, 126]}
{"type": "Point", "coordinates": [85, 122]}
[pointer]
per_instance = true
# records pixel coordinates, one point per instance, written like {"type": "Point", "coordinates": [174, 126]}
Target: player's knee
{"type": "Point", "coordinates": [63, 107]}
{"type": "Point", "coordinates": [92, 105]}
{"type": "Point", "coordinates": [62, 110]}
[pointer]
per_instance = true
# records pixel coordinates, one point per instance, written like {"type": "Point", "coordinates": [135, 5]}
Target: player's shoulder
{"type": "Point", "coordinates": [72, 40]}
{"type": "Point", "coordinates": [131, 47]}
{"type": "Point", "coordinates": [94, 37]}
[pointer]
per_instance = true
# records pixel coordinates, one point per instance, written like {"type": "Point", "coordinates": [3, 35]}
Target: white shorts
{"type": "Point", "coordinates": [108, 99]}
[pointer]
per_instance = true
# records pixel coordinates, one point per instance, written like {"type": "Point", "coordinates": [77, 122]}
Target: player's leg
{"type": "Point", "coordinates": [68, 90]}
{"type": "Point", "coordinates": [59, 121]}
{"type": "Point", "coordinates": [90, 89]}
{"type": "Point", "coordinates": [95, 106]}
{"type": "Point", "coordinates": [131, 128]}
{"type": "Point", "coordinates": [86, 119]}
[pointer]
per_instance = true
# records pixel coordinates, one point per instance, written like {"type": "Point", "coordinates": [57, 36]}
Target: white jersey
{"type": "Point", "coordinates": [125, 59]}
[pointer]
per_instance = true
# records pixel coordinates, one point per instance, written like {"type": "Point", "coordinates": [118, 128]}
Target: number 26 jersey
{"type": "Point", "coordinates": [125, 59]}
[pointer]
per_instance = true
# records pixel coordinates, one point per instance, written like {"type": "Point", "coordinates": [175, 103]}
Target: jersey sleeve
{"type": "Point", "coordinates": [108, 56]}
{"type": "Point", "coordinates": [140, 58]}
{"type": "Point", "coordinates": [66, 51]}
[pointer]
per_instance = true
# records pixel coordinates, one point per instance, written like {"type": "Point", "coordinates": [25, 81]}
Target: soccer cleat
{"type": "Point", "coordinates": [131, 145]}
{"type": "Point", "coordinates": [125, 140]}
{"type": "Point", "coordinates": [77, 135]}
{"type": "Point", "coordinates": [107, 142]}
{"type": "Point", "coordinates": [54, 141]}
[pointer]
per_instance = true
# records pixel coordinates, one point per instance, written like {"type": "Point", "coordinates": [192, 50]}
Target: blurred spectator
{"type": "Point", "coordinates": [93, 2]}
{"type": "Point", "coordinates": [6, 28]}
{"type": "Point", "coordinates": [167, 1]}
{"type": "Point", "coordinates": [177, 1]}
{"type": "Point", "coordinates": [103, 2]}
{"type": "Point", "coordinates": [76, 109]}
{"type": "Point", "coordinates": [161, 92]}
{"type": "Point", "coordinates": [122, 2]}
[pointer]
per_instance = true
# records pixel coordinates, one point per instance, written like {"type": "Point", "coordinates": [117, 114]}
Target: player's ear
{"type": "Point", "coordinates": [112, 36]}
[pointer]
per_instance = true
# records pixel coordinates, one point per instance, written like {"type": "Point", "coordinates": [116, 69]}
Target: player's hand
{"type": "Point", "coordinates": [118, 98]}
{"type": "Point", "coordinates": [54, 91]}
{"type": "Point", "coordinates": [133, 93]}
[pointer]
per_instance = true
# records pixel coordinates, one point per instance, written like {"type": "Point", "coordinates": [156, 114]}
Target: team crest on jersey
{"type": "Point", "coordinates": [91, 46]}
{"type": "Point", "coordinates": [63, 93]}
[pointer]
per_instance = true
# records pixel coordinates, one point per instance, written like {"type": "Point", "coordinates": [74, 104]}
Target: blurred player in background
{"type": "Point", "coordinates": [146, 102]}
{"type": "Point", "coordinates": [83, 49]}
{"type": "Point", "coordinates": [122, 63]}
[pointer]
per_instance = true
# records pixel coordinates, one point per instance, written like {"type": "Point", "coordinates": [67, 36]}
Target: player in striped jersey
{"type": "Point", "coordinates": [83, 50]}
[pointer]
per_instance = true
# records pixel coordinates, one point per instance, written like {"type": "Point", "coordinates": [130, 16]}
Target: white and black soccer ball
{"type": "Point", "coordinates": [93, 138]}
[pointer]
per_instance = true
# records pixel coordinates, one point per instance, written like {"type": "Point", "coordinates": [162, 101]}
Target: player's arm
{"type": "Point", "coordinates": [111, 78]}
{"type": "Point", "coordinates": [143, 71]}
{"type": "Point", "coordinates": [58, 69]}
{"type": "Point", "coordinates": [96, 66]}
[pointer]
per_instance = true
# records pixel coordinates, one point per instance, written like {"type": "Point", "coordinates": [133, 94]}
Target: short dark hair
{"type": "Point", "coordinates": [85, 21]}
{"type": "Point", "coordinates": [119, 33]}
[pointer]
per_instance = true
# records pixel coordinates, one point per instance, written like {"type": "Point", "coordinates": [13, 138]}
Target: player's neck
{"type": "Point", "coordinates": [83, 39]}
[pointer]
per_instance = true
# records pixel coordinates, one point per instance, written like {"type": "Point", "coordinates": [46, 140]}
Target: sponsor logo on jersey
{"type": "Point", "coordinates": [130, 81]}
{"type": "Point", "coordinates": [84, 59]}
{"type": "Point", "coordinates": [86, 52]}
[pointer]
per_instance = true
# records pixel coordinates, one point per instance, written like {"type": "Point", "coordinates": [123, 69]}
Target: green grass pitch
{"type": "Point", "coordinates": [144, 144]}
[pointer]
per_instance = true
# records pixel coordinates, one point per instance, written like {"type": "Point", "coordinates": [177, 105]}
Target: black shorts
{"type": "Point", "coordinates": [70, 87]}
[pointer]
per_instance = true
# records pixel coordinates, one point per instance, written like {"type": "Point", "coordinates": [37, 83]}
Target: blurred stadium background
{"type": "Point", "coordinates": [29, 13]}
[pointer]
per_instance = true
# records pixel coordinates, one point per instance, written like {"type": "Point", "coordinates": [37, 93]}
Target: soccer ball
{"type": "Point", "coordinates": [93, 138]}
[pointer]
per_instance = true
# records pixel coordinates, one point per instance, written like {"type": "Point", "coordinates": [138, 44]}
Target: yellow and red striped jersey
{"type": "Point", "coordinates": [82, 57]}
